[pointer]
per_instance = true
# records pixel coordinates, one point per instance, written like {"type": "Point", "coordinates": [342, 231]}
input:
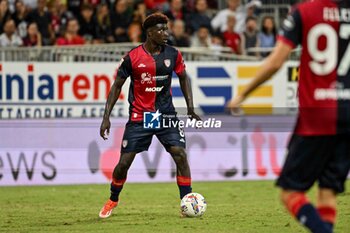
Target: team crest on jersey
{"type": "Point", "coordinates": [167, 62]}
{"type": "Point", "coordinates": [125, 143]}
{"type": "Point", "coordinates": [146, 78]}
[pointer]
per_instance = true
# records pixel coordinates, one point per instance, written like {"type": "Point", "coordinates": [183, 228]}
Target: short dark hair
{"type": "Point", "coordinates": [154, 19]}
{"type": "Point", "coordinates": [87, 7]}
{"type": "Point", "coordinates": [71, 19]}
{"type": "Point", "coordinates": [251, 18]}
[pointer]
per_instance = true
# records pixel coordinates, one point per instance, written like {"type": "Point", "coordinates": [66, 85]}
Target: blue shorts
{"type": "Point", "coordinates": [325, 159]}
{"type": "Point", "coordinates": [136, 138]}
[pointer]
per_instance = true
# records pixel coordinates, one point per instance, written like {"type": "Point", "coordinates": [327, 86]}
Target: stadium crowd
{"type": "Point", "coordinates": [194, 23]}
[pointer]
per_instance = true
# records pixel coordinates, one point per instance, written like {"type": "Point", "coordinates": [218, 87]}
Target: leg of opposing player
{"type": "Point", "coordinates": [183, 172]}
{"type": "Point", "coordinates": [119, 177]}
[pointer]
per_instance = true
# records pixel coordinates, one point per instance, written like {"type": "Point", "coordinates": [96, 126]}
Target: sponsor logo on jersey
{"type": "Point", "coordinates": [154, 89]}
{"type": "Point", "coordinates": [141, 65]}
{"type": "Point", "coordinates": [335, 92]}
{"type": "Point", "coordinates": [146, 78]}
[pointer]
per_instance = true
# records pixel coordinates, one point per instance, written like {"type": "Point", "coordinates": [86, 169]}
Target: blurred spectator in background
{"type": "Point", "coordinates": [74, 6]}
{"type": "Point", "coordinates": [176, 11]}
{"type": "Point", "coordinates": [64, 15]}
{"type": "Point", "coordinates": [250, 37]}
{"type": "Point", "coordinates": [200, 16]}
{"type": "Point", "coordinates": [71, 36]}
{"type": "Point", "coordinates": [4, 14]}
{"type": "Point", "coordinates": [109, 21]}
{"type": "Point", "coordinates": [88, 24]}
{"type": "Point", "coordinates": [93, 3]}
{"type": "Point", "coordinates": [9, 37]}
{"type": "Point", "coordinates": [31, 4]}
{"type": "Point", "coordinates": [19, 16]}
{"type": "Point", "coordinates": [212, 4]}
{"type": "Point", "coordinates": [135, 32]}
{"type": "Point", "coordinates": [178, 37]}
{"type": "Point", "coordinates": [59, 2]}
{"type": "Point", "coordinates": [43, 19]}
{"type": "Point", "coordinates": [219, 22]}
{"type": "Point", "coordinates": [110, 3]}
{"type": "Point", "coordinates": [33, 37]}
{"type": "Point", "coordinates": [245, 11]}
{"type": "Point", "coordinates": [190, 5]}
{"type": "Point", "coordinates": [104, 24]}
{"type": "Point", "coordinates": [217, 44]}
{"type": "Point", "coordinates": [140, 12]}
{"type": "Point", "coordinates": [59, 16]}
{"type": "Point", "coordinates": [54, 9]}
{"type": "Point", "coordinates": [231, 38]}
{"type": "Point", "coordinates": [267, 35]}
{"type": "Point", "coordinates": [11, 4]}
{"type": "Point", "coordinates": [201, 38]}
{"type": "Point", "coordinates": [154, 5]}
{"type": "Point", "coordinates": [121, 18]}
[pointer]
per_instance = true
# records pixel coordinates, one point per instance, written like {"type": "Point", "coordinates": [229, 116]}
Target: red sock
{"type": "Point", "coordinates": [295, 202]}
{"type": "Point", "coordinates": [306, 213]}
{"type": "Point", "coordinates": [118, 183]}
{"type": "Point", "coordinates": [327, 213]}
{"type": "Point", "coordinates": [184, 184]}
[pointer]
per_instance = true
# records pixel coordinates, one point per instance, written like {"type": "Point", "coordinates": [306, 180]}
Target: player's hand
{"type": "Point", "coordinates": [234, 105]}
{"type": "Point", "coordinates": [104, 129]}
{"type": "Point", "coordinates": [192, 115]}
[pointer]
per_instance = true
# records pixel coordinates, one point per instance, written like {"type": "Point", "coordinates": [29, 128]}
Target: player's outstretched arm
{"type": "Point", "coordinates": [269, 67]}
{"type": "Point", "coordinates": [187, 92]}
{"type": "Point", "coordinates": [112, 99]}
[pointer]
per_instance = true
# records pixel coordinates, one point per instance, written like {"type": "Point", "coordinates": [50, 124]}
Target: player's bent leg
{"type": "Point", "coordinates": [183, 172]}
{"type": "Point", "coordinates": [119, 177]}
{"type": "Point", "coordinates": [307, 157]}
{"type": "Point", "coordinates": [332, 180]}
{"type": "Point", "coordinates": [327, 206]}
{"type": "Point", "coordinates": [180, 158]}
{"type": "Point", "coordinates": [299, 206]}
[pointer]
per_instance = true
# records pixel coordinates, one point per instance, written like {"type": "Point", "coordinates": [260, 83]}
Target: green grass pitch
{"type": "Point", "coordinates": [232, 207]}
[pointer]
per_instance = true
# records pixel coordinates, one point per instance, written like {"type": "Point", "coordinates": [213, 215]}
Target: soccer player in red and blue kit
{"type": "Point", "coordinates": [319, 149]}
{"type": "Point", "coordinates": [150, 67]}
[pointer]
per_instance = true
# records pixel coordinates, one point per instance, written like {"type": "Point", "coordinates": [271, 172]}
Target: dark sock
{"type": "Point", "coordinates": [309, 217]}
{"type": "Point", "coordinates": [328, 215]}
{"type": "Point", "coordinates": [116, 188]}
{"type": "Point", "coordinates": [329, 226]}
{"type": "Point", "coordinates": [184, 184]}
{"type": "Point", "coordinates": [300, 207]}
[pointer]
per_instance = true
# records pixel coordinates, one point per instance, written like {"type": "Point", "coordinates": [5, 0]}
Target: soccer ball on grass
{"type": "Point", "coordinates": [193, 205]}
